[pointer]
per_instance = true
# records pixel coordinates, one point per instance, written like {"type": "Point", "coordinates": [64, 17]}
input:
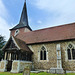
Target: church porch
{"type": "Point", "coordinates": [15, 59]}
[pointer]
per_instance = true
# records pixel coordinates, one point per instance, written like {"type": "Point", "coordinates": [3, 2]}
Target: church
{"type": "Point", "coordinates": [49, 49]}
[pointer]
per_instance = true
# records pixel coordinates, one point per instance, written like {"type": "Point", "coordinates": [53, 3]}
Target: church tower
{"type": "Point", "coordinates": [23, 25]}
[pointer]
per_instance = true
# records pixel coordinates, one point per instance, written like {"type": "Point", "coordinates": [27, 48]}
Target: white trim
{"type": "Point", "coordinates": [15, 42]}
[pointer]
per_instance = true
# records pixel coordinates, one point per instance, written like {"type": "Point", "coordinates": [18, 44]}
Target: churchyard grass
{"type": "Point", "coordinates": [42, 73]}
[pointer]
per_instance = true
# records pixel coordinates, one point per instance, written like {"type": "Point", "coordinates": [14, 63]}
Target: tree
{"type": "Point", "coordinates": [2, 43]}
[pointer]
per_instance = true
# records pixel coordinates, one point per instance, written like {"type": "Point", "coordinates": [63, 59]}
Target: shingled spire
{"type": "Point", "coordinates": [23, 20]}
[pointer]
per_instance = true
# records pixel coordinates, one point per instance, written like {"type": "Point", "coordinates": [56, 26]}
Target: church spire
{"type": "Point", "coordinates": [23, 19]}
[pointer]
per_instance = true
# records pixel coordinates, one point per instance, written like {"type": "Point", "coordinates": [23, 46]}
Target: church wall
{"type": "Point", "coordinates": [45, 64]}
{"type": "Point", "coordinates": [26, 30]}
{"type": "Point", "coordinates": [52, 56]}
{"type": "Point", "coordinates": [21, 31]}
{"type": "Point", "coordinates": [67, 64]}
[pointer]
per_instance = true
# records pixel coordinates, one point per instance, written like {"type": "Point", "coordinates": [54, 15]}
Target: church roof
{"type": "Point", "coordinates": [57, 33]}
{"type": "Point", "coordinates": [21, 45]}
{"type": "Point", "coordinates": [23, 20]}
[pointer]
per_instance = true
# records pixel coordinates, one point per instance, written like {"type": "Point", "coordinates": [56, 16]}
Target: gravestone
{"type": "Point", "coordinates": [26, 71]}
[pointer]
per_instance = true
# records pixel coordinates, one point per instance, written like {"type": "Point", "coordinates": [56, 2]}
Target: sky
{"type": "Point", "coordinates": [41, 14]}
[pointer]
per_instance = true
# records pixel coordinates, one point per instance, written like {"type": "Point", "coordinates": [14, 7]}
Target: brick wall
{"type": "Point", "coordinates": [21, 31]}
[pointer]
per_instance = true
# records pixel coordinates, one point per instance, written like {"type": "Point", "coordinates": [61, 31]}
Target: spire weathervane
{"type": "Point", "coordinates": [25, 0]}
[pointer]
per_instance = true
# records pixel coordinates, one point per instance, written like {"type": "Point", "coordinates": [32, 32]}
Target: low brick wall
{"type": "Point", "coordinates": [3, 65]}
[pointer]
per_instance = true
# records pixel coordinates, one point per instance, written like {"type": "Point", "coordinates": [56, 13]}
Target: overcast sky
{"type": "Point", "coordinates": [41, 13]}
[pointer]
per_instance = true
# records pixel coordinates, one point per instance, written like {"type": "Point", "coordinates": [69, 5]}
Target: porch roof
{"type": "Point", "coordinates": [21, 45]}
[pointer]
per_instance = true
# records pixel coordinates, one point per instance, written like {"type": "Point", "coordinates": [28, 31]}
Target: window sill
{"type": "Point", "coordinates": [43, 60]}
{"type": "Point", "coordinates": [71, 60]}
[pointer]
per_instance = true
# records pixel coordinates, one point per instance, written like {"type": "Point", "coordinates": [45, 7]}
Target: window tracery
{"type": "Point", "coordinates": [71, 52]}
{"type": "Point", "coordinates": [43, 53]}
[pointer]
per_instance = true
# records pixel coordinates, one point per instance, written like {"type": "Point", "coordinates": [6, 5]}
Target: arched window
{"type": "Point", "coordinates": [43, 53]}
{"type": "Point", "coordinates": [71, 52]}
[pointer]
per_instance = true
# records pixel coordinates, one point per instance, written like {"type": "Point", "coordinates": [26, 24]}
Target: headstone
{"type": "Point", "coordinates": [26, 71]}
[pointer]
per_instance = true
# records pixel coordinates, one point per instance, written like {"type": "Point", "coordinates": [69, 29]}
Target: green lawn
{"type": "Point", "coordinates": [42, 73]}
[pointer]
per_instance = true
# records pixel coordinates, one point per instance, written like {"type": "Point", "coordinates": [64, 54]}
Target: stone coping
{"type": "Point", "coordinates": [22, 61]}
{"type": "Point", "coordinates": [3, 60]}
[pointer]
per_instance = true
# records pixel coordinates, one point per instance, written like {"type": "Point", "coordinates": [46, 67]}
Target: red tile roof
{"type": "Point", "coordinates": [57, 33]}
{"type": "Point", "coordinates": [22, 45]}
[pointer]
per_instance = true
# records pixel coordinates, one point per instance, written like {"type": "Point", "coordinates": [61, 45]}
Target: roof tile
{"type": "Point", "coordinates": [56, 33]}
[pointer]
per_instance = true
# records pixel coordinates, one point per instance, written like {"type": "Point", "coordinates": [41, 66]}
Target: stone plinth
{"type": "Point", "coordinates": [57, 70]}
{"type": "Point", "coordinates": [3, 65]}
{"type": "Point", "coordinates": [18, 66]}
{"type": "Point", "coordinates": [52, 70]}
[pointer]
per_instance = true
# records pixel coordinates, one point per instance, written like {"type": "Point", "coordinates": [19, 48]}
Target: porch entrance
{"type": "Point", "coordinates": [9, 65]}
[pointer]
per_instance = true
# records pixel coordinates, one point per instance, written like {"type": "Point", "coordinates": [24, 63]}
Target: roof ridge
{"type": "Point", "coordinates": [52, 27]}
{"type": "Point", "coordinates": [56, 33]}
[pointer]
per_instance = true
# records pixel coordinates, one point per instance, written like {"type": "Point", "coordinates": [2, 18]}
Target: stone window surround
{"type": "Point", "coordinates": [46, 55]}
{"type": "Point", "coordinates": [71, 52]}
{"type": "Point", "coordinates": [16, 32]}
